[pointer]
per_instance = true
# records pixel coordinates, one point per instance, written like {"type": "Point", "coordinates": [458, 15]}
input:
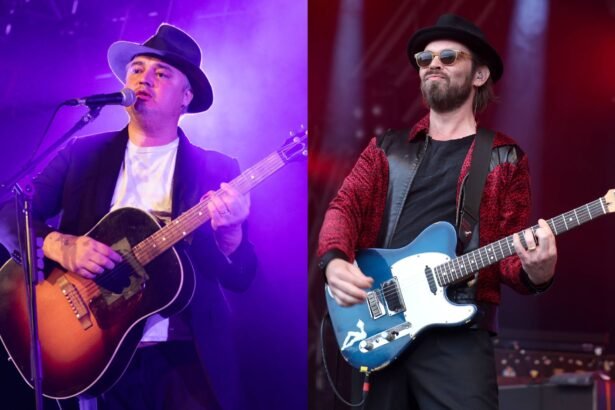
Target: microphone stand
{"type": "Point", "coordinates": [23, 199]}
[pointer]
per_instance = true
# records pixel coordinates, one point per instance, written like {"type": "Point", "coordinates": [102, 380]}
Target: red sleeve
{"type": "Point", "coordinates": [515, 202]}
{"type": "Point", "coordinates": [354, 215]}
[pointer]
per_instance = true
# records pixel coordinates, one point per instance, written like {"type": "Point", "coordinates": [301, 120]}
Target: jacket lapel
{"type": "Point", "coordinates": [109, 165]}
{"type": "Point", "coordinates": [184, 195]}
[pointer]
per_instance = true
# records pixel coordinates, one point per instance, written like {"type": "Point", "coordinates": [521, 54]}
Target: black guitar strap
{"type": "Point", "coordinates": [479, 168]}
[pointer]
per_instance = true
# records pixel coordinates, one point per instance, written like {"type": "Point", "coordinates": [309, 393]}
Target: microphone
{"type": "Point", "coordinates": [126, 97]}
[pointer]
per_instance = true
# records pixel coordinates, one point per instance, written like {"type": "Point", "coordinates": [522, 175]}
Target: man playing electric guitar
{"type": "Point", "coordinates": [183, 362]}
{"type": "Point", "coordinates": [386, 203]}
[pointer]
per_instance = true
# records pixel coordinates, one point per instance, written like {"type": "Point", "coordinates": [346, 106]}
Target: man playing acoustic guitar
{"type": "Point", "coordinates": [405, 181]}
{"type": "Point", "coordinates": [183, 362]}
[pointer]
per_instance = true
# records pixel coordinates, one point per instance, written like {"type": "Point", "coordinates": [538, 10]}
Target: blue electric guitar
{"type": "Point", "coordinates": [409, 291]}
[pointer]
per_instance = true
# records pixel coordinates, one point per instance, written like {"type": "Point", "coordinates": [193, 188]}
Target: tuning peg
{"type": "Point", "coordinates": [292, 133]}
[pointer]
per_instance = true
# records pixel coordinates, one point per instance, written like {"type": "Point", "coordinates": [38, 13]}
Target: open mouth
{"type": "Point", "coordinates": [143, 94]}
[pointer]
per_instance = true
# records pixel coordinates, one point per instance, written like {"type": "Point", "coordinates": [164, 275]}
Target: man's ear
{"type": "Point", "coordinates": [188, 96]}
{"type": "Point", "coordinates": [481, 76]}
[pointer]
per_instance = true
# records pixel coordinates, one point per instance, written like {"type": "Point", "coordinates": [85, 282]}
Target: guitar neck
{"type": "Point", "coordinates": [185, 224]}
{"type": "Point", "coordinates": [465, 266]}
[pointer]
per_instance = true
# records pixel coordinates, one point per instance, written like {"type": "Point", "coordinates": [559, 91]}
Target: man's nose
{"type": "Point", "coordinates": [435, 62]}
{"type": "Point", "coordinates": [146, 77]}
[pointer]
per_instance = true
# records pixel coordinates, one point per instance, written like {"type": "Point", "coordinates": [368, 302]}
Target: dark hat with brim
{"type": "Point", "coordinates": [452, 27]}
{"type": "Point", "coordinates": [174, 47]}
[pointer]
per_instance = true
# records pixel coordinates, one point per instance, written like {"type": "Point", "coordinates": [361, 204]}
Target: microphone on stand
{"type": "Point", "coordinates": [126, 97]}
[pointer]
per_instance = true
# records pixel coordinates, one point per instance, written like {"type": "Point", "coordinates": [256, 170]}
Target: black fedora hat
{"type": "Point", "coordinates": [174, 47]}
{"type": "Point", "coordinates": [452, 27]}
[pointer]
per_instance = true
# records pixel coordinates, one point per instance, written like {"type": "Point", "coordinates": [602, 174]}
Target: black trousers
{"type": "Point", "coordinates": [165, 376]}
{"type": "Point", "coordinates": [446, 368]}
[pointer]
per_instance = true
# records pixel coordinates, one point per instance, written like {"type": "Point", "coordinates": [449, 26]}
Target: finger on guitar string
{"type": "Point", "coordinates": [107, 251]}
{"type": "Point", "coordinates": [339, 269]}
{"type": "Point", "coordinates": [218, 203]}
{"type": "Point", "coordinates": [347, 282]}
{"type": "Point", "coordinates": [520, 249]}
{"type": "Point", "coordinates": [85, 273]}
{"type": "Point", "coordinates": [101, 260]}
{"type": "Point", "coordinates": [346, 300]}
{"type": "Point", "coordinates": [231, 204]}
{"type": "Point", "coordinates": [530, 240]}
{"type": "Point", "coordinates": [545, 237]}
{"type": "Point", "coordinates": [362, 280]}
{"type": "Point", "coordinates": [235, 200]}
{"type": "Point", "coordinates": [217, 209]}
{"type": "Point", "coordinates": [93, 267]}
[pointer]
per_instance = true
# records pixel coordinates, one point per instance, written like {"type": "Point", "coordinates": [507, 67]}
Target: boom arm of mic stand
{"type": "Point", "coordinates": [29, 167]}
{"type": "Point", "coordinates": [23, 199]}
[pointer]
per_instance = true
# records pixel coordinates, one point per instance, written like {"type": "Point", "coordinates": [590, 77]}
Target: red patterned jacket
{"type": "Point", "coordinates": [354, 218]}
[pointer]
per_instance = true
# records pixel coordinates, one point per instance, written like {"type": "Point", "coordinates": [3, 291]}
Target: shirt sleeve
{"type": "Point", "coordinates": [515, 210]}
{"type": "Point", "coordinates": [354, 215]}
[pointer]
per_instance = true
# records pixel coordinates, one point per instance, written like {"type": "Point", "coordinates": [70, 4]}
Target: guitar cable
{"type": "Point", "coordinates": [365, 388]}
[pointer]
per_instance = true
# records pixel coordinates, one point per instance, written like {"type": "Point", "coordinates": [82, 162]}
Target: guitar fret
{"type": "Point", "coordinates": [602, 205]}
{"type": "Point", "coordinates": [452, 271]}
{"type": "Point", "coordinates": [462, 267]}
{"type": "Point", "coordinates": [446, 269]}
{"type": "Point", "coordinates": [576, 216]}
{"type": "Point", "coordinates": [554, 227]}
{"type": "Point", "coordinates": [589, 211]}
{"type": "Point", "coordinates": [501, 256]}
{"type": "Point", "coordinates": [564, 220]}
{"type": "Point", "coordinates": [570, 223]}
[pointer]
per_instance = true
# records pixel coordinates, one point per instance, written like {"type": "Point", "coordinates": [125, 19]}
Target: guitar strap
{"type": "Point", "coordinates": [468, 222]}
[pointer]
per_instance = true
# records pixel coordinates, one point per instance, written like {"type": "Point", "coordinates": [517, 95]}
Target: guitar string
{"type": "Point", "coordinates": [558, 225]}
{"type": "Point", "coordinates": [594, 209]}
{"type": "Point", "coordinates": [191, 218]}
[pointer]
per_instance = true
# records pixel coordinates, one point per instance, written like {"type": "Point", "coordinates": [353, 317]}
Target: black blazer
{"type": "Point", "coordinates": [79, 184]}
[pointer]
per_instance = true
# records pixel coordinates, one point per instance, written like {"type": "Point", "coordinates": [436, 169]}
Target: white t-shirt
{"type": "Point", "coordinates": [145, 182]}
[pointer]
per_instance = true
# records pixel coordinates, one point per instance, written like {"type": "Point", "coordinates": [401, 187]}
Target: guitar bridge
{"type": "Point", "coordinates": [392, 297]}
{"type": "Point", "coordinates": [74, 299]}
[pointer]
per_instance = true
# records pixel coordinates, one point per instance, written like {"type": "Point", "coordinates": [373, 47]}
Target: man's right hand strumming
{"type": "Point", "coordinates": [347, 283]}
{"type": "Point", "coordinates": [80, 254]}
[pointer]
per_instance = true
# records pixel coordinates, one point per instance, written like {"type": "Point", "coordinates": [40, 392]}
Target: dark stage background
{"type": "Point", "coordinates": [557, 99]}
{"type": "Point", "coordinates": [255, 55]}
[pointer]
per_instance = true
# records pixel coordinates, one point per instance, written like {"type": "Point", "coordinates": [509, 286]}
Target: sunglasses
{"type": "Point", "coordinates": [446, 56]}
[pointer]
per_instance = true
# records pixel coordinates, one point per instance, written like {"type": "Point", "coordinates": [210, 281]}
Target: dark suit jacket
{"type": "Point", "coordinates": [79, 183]}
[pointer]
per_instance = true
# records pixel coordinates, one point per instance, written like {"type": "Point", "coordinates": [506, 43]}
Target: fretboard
{"type": "Point", "coordinates": [177, 229]}
{"type": "Point", "coordinates": [464, 266]}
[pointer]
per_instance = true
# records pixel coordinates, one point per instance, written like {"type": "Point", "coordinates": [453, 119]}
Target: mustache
{"type": "Point", "coordinates": [435, 72]}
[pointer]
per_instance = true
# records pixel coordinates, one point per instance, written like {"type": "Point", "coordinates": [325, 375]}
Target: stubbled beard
{"type": "Point", "coordinates": [442, 97]}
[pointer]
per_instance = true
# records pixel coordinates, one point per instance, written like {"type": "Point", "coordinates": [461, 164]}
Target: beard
{"type": "Point", "coordinates": [444, 97]}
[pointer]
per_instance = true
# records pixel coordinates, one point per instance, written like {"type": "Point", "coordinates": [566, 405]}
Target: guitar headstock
{"type": "Point", "coordinates": [609, 199]}
{"type": "Point", "coordinates": [295, 147]}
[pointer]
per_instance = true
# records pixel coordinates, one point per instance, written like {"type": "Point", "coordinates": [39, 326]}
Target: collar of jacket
{"type": "Point", "coordinates": [113, 157]}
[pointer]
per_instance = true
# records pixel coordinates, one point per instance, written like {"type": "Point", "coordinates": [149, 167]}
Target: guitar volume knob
{"type": "Point", "coordinates": [367, 345]}
{"type": "Point", "coordinates": [390, 336]}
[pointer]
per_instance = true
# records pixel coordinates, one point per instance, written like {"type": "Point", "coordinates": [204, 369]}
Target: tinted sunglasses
{"type": "Point", "coordinates": [446, 56]}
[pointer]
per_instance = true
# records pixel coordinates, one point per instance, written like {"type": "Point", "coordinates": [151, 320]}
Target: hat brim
{"type": "Point", "coordinates": [477, 45]}
{"type": "Point", "coordinates": [122, 52]}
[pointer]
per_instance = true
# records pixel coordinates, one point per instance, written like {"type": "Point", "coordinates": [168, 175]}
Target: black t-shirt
{"type": "Point", "coordinates": [432, 196]}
